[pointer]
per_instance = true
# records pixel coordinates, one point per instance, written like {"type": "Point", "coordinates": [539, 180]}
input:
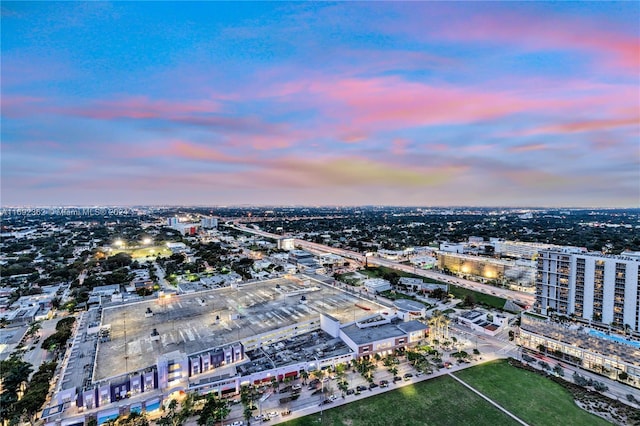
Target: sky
{"type": "Point", "coordinates": [354, 103]}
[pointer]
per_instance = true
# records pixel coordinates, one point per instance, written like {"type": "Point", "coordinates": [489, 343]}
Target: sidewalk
{"type": "Point", "coordinates": [313, 408]}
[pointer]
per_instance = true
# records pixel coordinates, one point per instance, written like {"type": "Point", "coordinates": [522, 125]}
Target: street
{"type": "Point", "coordinates": [525, 298]}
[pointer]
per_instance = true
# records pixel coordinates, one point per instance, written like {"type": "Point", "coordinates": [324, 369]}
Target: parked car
{"type": "Point", "coordinates": [350, 391]}
{"type": "Point", "coordinates": [408, 376]}
{"type": "Point", "coordinates": [373, 385]}
{"type": "Point", "coordinates": [397, 379]}
{"type": "Point", "coordinates": [361, 388]}
{"type": "Point", "coordinates": [384, 383]}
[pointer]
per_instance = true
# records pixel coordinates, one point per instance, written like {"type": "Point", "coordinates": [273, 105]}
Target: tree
{"type": "Point", "coordinates": [247, 413]}
{"type": "Point", "coordinates": [343, 385]}
{"type": "Point", "coordinates": [172, 417]}
{"type": "Point", "coordinates": [36, 392]}
{"type": "Point", "coordinates": [134, 419]}
{"type": "Point", "coordinates": [558, 370]}
{"type": "Point", "coordinates": [318, 374]}
{"type": "Point", "coordinates": [214, 410]}
{"type": "Point", "coordinates": [275, 385]}
{"type": "Point", "coordinates": [34, 328]}
{"type": "Point", "coordinates": [469, 300]}
{"type": "Point", "coordinates": [305, 376]}
{"type": "Point", "coordinates": [439, 293]}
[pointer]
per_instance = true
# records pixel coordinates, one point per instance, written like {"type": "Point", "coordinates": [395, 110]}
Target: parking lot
{"type": "Point", "coordinates": [196, 322]}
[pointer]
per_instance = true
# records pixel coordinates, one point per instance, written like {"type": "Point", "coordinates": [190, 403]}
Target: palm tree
{"type": "Point", "coordinates": [247, 413]}
{"type": "Point", "coordinates": [318, 374]}
{"type": "Point", "coordinates": [343, 385]}
{"type": "Point", "coordinates": [33, 329]}
{"type": "Point", "coordinates": [305, 375]}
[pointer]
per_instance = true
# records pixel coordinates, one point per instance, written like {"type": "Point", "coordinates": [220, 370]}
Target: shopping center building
{"type": "Point", "coordinates": [133, 357]}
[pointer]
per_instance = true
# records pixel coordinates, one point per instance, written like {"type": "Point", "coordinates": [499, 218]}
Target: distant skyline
{"type": "Point", "coordinates": [415, 104]}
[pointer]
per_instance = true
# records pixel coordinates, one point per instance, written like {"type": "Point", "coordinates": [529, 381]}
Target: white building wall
{"type": "Point", "coordinates": [631, 300]}
{"type": "Point", "coordinates": [330, 326]}
{"type": "Point", "coordinates": [548, 284]}
{"type": "Point", "coordinates": [589, 271]}
{"type": "Point", "coordinates": [608, 290]}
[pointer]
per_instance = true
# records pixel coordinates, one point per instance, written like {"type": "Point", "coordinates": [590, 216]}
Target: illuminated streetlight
{"type": "Point", "coordinates": [146, 241]}
{"type": "Point", "coordinates": [119, 243]}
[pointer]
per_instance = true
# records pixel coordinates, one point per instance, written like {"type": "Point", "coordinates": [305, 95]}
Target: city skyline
{"type": "Point", "coordinates": [432, 104]}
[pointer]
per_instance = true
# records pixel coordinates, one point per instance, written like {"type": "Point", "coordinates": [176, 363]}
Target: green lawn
{"type": "Point", "coordinates": [380, 271]}
{"type": "Point", "coordinates": [440, 401]}
{"type": "Point", "coordinates": [533, 398]}
{"type": "Point", "coordinates": [486, 299]}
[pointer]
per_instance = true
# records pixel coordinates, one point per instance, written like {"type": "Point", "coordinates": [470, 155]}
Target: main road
{"type": "Point", "coordinates": [525, 298]}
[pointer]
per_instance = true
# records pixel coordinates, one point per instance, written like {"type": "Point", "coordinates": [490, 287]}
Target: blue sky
{"type": "Point", "coordinates": [512, 104]}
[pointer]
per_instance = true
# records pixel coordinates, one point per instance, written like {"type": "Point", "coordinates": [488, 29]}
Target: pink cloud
{"type": "Point", "coordinates": [437, 147]}
{"type": "Point", "coordinates": [399, 146]}
{"type": "Point", "coordinates": [528, 147]}
{"type": "Point", "coordinates": [479, 147]}
{"type": "Point", "coordinates": [390, 102]}
{"type": "Point", "coordinates": [353, 138]}
{"type": "Point", "coordinates": [141, 107]}
{"type": "Point", "coordinates": [609, 45]}
{"type": "Point", "coordinates": [280, 139]}
{"type": "Point", "coordinates": [192, 151]}
{"type": "Point", "coordinates": [18, 106]}
{"type": "Point", "coordinates": [584, 126]}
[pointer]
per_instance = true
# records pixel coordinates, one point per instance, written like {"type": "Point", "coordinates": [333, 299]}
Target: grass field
{"type": "Point", "coordinates": [533, 398]}
{"type": "Point", "coordinates": [380, 271]}
{"type": "Point", "coordinates": [440, 401]}
{"type": "Point", "coordinates": [137, 253]}
{"type": "Point", "coordinates": [486, 299]}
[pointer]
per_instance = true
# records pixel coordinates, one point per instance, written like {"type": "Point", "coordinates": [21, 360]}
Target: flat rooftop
{"type": "Point", "coordinates": [408, 305]}
{"type": "Point", "coordinates": [372, 334]}
{"type": "Point", "coordinates": [306, 347]}
{"type": "Point", "coordinates": [188, 322]}
{"type": "Point", "coordinates": [580, 337]}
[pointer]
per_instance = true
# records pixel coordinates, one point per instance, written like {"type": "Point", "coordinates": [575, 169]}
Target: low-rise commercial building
{"type": "Point", "coordinates": [215, 341]}
{"type": "Point", "coordinates": [600, 351]}
{"type": "Point", "coordinates": [376, 285]}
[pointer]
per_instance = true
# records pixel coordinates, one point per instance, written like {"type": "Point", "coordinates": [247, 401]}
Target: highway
{"type": "Point", "coordinates": [526, 298]}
